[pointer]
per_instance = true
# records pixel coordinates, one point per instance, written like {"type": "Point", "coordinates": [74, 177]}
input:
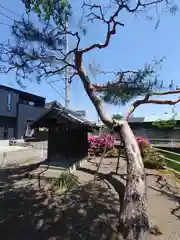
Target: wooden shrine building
{"type": "Point", "coordinates": [67, 133]}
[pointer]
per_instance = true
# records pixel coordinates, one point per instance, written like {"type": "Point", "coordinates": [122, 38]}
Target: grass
{"type": "Point", "coordinates": [172, 155]}
{"type": "Point", "coordinates": [169, 155]}
{"type": "Point", "coordinates": [173, 165]}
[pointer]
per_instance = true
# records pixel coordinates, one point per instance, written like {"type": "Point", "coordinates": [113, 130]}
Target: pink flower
{"type": "Point", "coordinates": [101, 142]}
{"type": "Point", "coordinates": [143, 143]}
{"type": "Point", "coordinates": [90, 137]}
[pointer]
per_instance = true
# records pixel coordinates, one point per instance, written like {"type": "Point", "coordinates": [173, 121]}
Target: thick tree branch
{"type": "Point", "coordinates": [90, 90]}
{"type": "Point", "coordinates": [133, 215]}
{"type": "Point", "coordinates": [146, 100]}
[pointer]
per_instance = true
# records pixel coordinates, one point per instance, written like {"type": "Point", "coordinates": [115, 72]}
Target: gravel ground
{"type": "Point", "coordinates": [89, 212]}
{"type": "Point", "coordinates": [163, 198]}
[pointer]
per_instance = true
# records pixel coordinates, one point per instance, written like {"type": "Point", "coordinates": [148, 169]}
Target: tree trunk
{"type": "Point", "coordinates": [133, 214]}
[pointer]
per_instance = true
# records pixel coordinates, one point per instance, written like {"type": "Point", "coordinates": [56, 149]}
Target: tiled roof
{"type": "Point", "coordinates": [136, 119]}
{"type": "Point", "coordinates": [56, 110]}
{"type": "Point", "coordinates": [19, 91]}
{"type": "Point", "coordinates": [164, 117]}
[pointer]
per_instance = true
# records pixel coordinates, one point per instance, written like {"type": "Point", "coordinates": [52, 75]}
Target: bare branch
{"type": "Point", "coordinates": [121, 80]}
{"type": "Point", "coordinates": [71, 77]}
{"type": "Point", "coordinates": [116, 73]}
{"type": "Point", "coordinates": [112, 23]}
{"type": "Point", "coordinates": [48, 73]}
{"type": "Point", "coordinates": [91, 16]}
{"type": "Point", "coordinates": [146, 100]}
{"type": "Point", "coordinates": [139, 5]}
{"type": "Point", "coordinates": [110, 32]}
{"type": "Point", "coordinates": [111, 26]}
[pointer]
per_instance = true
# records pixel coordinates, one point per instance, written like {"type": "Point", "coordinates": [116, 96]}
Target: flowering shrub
{"type": "Point", "coordinates": [143, 143]}
{"type": "Point", "coordinates": [143, 140]}
{"type": "Point", "coordinates": [90, 138]}
{"type": "Point", "coordinates": [151, 158]}
{"type": "Point", "coordinates": [98, 144]}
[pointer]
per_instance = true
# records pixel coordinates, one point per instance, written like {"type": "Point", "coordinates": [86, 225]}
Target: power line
{"type": "Point", "coordinates": [7, 16]}
{"type": "Point", "coordinates": [57, 91]}
{"type": "Point", "coordinates": [1, 23]}
{"type": "Point", "coordinates": [9, 11]}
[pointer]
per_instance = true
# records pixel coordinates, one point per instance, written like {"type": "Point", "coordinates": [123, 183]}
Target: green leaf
{"type": "Point", "coordinates": [117, 117]}
{"type": "Point", "coordinates": [165, 123]}
{"type": "Point", "coordinates": [66, 181]}
{"type": "Point", "coordinates": [58, 10]}
{"type": "Point", "coordinates": [36, 9]}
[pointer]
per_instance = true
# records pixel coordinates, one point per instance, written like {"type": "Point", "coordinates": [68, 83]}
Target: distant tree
{"type": "Point", "coordinates": [117, 117]}
{"type": "Point", "coordinates": [39, 49]}
{"type": "Point", "coordinates": [166, 124]}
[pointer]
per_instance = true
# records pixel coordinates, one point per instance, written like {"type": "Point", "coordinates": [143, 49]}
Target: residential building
{"type": "Point", "coordinates": [17, 110]}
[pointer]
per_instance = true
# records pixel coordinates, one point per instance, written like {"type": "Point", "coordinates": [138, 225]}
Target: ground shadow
{"type": "Point", "coordinates": [89, 212]}
{"type": "Point", "coordinates": [176, 212]}
{"type": "Point", "coordinates": [164, 187]}
{"type": "Point", "coordinates": [171, 192]}
{"type": "Point", "coordinates": [15, 173]}
{"type": "Point", "coordinates": [13, 169]}
{"type": "Point", "coordinates": [118, 181]}
{"type": "Point", "coordinates": [117, 184]}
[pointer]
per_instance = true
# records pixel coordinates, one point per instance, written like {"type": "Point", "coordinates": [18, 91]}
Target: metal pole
{"type": "Point", "coordinates": [67, 85]}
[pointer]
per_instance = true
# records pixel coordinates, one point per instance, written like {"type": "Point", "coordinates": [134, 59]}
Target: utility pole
{"type": "Point", "coordinates": [67, 85]}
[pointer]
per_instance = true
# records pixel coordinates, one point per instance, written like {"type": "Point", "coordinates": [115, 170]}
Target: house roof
{"type": "Point", "coordinates": [57, 112]}
{"type": "Point", "coordinates": [154, 118]}
{"type": "Point", "coordinates": [165, 117]}
{"type": "Point", "coordinates": [136, 119]}
{"type": "Point", "coordinates": [20, 92]}
{"type": "Point", "coordinates": [51, 104]}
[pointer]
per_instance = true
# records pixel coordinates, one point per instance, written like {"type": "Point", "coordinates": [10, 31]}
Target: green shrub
{"type": "Point", "coordinates": [153, 159]}
{"type": "Point", "coordinates": [173, 165]}
{"type": "Point", "coordinates": [113, 152]}
{"type": "Point", "coordinates": [66, 181]}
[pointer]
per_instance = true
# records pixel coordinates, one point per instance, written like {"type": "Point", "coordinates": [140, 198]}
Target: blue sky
{"type": "Point", "coordinates": [134, 45]}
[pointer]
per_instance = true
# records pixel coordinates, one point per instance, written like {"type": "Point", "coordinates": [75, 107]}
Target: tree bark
{"type": "Point", "coordinates": [118, 160]}
{"type": "Point", "coordinates": [133, 214]}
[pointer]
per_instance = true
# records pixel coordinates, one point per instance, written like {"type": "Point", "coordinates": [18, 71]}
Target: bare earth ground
{"type": "Point", "coordinates": [89, 212]}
